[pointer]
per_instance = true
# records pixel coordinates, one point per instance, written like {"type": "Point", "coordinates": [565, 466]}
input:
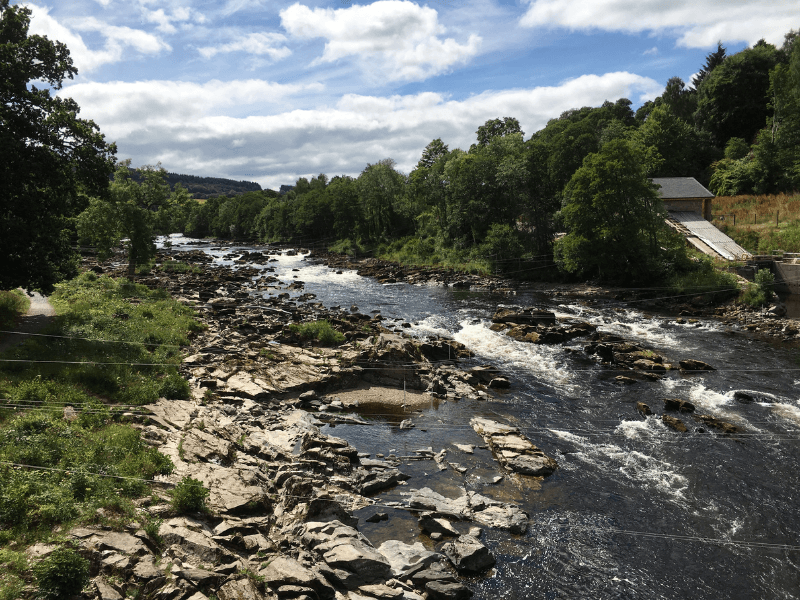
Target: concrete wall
{"type": "Point", "coordinates": [702, 206]}
{"type": "Point", "coordinates": [787, 278]}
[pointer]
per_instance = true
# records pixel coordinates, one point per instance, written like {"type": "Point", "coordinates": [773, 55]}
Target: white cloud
{"type": "Point", "coordinates": [165, 22]}
{"type": "Point", "coordinates": [653, 51]}
{"type": "Point", "coordinates": [698, 23]}
{"type": "Point", "coordinates": [184, 125]}
{"type": "Point", "coordinates": [393, 39]}
{"type": "Point", "coordinates": [118, 40]}
{"type": "Point", "coordinates": [254, 43]}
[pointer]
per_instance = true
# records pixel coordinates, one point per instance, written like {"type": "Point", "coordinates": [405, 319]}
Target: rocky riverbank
{"type": "Point", "coordinates": [283, 494]}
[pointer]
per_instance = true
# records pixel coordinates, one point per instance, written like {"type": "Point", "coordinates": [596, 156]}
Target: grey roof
{"type": "Point", "coordinates": [674, 188]}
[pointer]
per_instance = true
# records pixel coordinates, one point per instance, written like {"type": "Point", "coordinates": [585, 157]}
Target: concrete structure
{"type": "Point", "coordinates": [685, 194]}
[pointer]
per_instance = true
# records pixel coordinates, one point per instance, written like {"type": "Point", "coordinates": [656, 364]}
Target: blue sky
{"type": "Point", "coordinates": [268, 91]}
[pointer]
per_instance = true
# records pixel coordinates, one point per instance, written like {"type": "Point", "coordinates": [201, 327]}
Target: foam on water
{"type": "Point", "coordinates": [633, 465]}
{"type": "Point", "coordinates": [698, 394]}
{"type": "Point", "coordinates": [541, 362]}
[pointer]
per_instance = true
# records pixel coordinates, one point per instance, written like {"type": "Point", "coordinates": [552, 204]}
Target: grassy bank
{"type": "Point", "coordinates": [13, 304]}
{"type": "Point", "coordinates": [67, 456]}
{"type": "Point", "coordinates": [762, 224]}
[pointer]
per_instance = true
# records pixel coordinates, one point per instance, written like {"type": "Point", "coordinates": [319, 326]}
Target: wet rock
{"type": "Point", "coordinates": [443, 590]}
{"type": "Point", "coordinates": [623, 380]}
{"type": "Point", "coordinates": [377, 518]}
{"type": "Point", "coordinates": [690, 366]}
{"type": "Point", "coordinates": [643, 409]}
{"type": "Point", "coordinates": [500, 383]}
{"type": "Point", "coordinates": [676, 404]}
{"type": "Point", "coordinates": [743, 397]}
{"type": "Point", "coordinates": [527, 316]}
{"type": "Point", "coordinates": [468, 555]}
{"type": "Point", "coordinates": [513, 450]}
{"type": "Point", "coordinates": [674, 423]}
{"type": "Point", "coordinates": [719, 424]}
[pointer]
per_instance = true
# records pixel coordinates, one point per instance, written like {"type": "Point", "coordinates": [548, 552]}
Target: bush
{"type": "Point", "coordinates": [759, 293]}
{"type": "Point", "coordinates": [320, 331]}
{"type": "Point", "coordinates": [189, 496]}
{"type": "Point", "coordinates": [62, 574]}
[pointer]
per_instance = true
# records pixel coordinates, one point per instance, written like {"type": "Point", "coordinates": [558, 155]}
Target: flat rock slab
{"type": "Point", "coordinates": [404, 557]}
{"type": "Point", "coordinates": [512, 449]}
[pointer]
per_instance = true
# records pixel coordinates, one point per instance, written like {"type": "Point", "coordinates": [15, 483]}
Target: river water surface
{"type": "Point", "coordinates": [635, 510]}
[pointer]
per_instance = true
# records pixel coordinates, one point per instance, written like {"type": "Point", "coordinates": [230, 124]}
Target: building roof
{"type": "Point", "coordinates": [674, 188]}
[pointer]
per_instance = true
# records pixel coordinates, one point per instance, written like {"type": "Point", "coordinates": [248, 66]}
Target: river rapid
{"type": "Point", "coordinates": [635, 510]}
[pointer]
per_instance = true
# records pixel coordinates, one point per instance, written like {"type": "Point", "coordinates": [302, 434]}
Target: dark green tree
{"type": "Point", "coordinates": [50, 160]}
{"type": "Point", "coordinates": [497, 127]}
{"type": "Point", "coordinates": [713, 60]}
{"type": "Point", "coordinates": [732, 100]}
{"type": "Point", "coordinates": [614, 219]}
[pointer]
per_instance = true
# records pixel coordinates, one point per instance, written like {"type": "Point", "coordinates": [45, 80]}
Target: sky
{"type": "Point", "coordinates": [264, 91]}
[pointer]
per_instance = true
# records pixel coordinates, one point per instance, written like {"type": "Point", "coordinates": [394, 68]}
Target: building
{"type": "Point", "coordinates": [688, 206]}
{"type": "Point", "coordinates": [685, 194]}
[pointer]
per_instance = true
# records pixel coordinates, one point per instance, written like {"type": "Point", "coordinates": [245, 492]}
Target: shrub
{"type": "Point", "coordinates": [759, 293]}
{"type": "Point", "coordinates": [321, 331]}
{"type": "Point", "coordinates": [62, 574]}
{"type": "Point", "coordinates": [174, 387]}
{"type": "Point", "coordinates": [189, 496]}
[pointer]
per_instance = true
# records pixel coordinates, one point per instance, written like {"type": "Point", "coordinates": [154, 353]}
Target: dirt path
{"type": "Point", "coordinates": [39, 315]}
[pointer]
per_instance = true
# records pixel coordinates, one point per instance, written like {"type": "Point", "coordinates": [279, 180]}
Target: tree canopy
{"type": "Point", "coordinates": [50, 160]}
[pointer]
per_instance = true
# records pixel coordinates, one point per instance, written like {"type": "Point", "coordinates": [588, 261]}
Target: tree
{"type": "Point", "coordinates": [732, 99]}
{"type": "Point", "coordinates": [49, 158]}
{"type": "Point", "coordinates": [497, 128]}
{"type": "Point", "coordinates": [614, 218]}
{"type": "Point", "coordinates": [713, 60]}
{"type": "Point", "coordinates": [128, 214]}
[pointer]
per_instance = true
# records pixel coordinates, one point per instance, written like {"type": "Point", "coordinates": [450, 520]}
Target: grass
{"type": "Point", "coordinates": [126, 337]}
{"type": "Point", "coordinates": [764, 224]}
{"type": "Point", "coordinates": [59, 465]}
{"type": "Point", "coordinates": [318, 331]}
{"type": "Point", "coordinates": [175, 266]}
{"type": "Point", "coordinates": [413, 251]}
{"type": "Point", "coordinates": [13, 304]}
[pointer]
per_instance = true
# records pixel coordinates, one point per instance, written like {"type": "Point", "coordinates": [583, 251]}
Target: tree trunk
{"type": "Point", "coordinates": [131, 264]}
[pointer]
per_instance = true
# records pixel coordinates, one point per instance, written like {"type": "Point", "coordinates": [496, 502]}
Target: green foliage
{"type": "Point", "coordinates": [62, 574]}
{"type": "Point", "coordinates": [320, 331]}
{"type": "Point", "coordinates": [615, 220]}
{"type": "Point", "coordinates": [48, 157]}
{"type": "Point", "coordinates": [701, 277]}
{"type": "Point", "coordinates": [127, 214]}
{"type": "Point", "coordinates": [13, 304]}
{"type": "Point", "coordinates": [136, 332]}
{"type": "Point", "coordinates": [503, 244]}
{"type": "Point", "coordinates": [189, 496]}
{"type": "Point", "coordinates": [175, 266]}
{"type": "Point", "coordinates": [759, 293]}
{"type": "Point", "coordinates": [152, 526]}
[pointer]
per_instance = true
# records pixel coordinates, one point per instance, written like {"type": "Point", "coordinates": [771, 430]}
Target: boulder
{"type": "Point", "coordinates": [643, 409]}
{"type": "Point", "coordinates": [676, 404]}
{"type": "Point", "coordinates": [716, 423]}
{"type": "Point", "coordinates": [240, 589]}
{"type": "Point", "coordinates": [468, 555]}
{"type": "Point", "coordinates": [674, 423]}
{"type": "Point", "coordinates": [404, 557]}
{"type": "Point", "coordinates": [444, 590]}
{"type": "Point", "coordinates": [690, 366]}
{"type": "Point", "coordinates": [431, 524]}
{"type": "Point", "coordinates": [527, 316]}
{"type": "Point", "coordinates": [285, 571]}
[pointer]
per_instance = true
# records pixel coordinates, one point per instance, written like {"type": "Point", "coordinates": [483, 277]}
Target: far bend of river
{"type": "Point", "coordinates": [635, 510]}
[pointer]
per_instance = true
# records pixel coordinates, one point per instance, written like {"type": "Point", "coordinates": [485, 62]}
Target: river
{"type": "Point", "coordinates": [635, 510]}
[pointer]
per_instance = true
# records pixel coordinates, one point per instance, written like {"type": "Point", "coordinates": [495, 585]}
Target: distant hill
{"type": "Point", "coordinates": [203, 188]}
{"type": "Point", "coordinates": [208, 187]}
